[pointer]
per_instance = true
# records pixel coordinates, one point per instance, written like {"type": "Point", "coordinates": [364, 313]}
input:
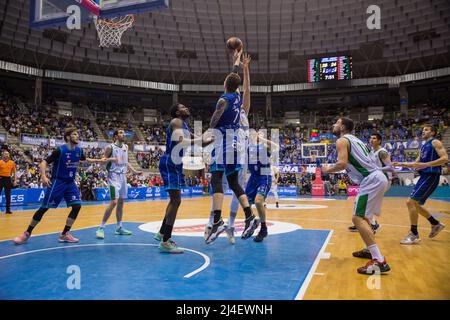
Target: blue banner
{"type": "Point", "coordinates": [128, 134]}
{"type": "Point", "coordinates": [102, 194]}
{"type": "Point", "coordinates": [282, 191]}
{"type": "Point", "coordinates": [21, 197]}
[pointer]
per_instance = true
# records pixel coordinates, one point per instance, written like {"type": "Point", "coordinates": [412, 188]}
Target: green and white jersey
{"type": "Point", "coordinates": [121, 154]}
{"type": "Point", "coordinates": [360, 164]}
{"type": "Point", "coordinates": [375, 155]}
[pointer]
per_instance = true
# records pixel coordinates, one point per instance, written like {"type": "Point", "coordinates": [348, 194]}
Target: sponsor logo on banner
{"type": "Point", "coordinates": [352, 191]}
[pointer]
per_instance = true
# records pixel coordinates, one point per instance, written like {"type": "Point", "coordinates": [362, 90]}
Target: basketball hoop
{"type": "Point", "coordinates": [110, 30]}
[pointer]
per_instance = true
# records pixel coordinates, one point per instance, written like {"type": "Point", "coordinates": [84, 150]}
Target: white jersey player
{"type": "Point", "coordinates": [381, 157]}
{"type": "Point", "coordinates": [117, 181]}
{"type": "Point", "coordinates": [275, 173]}
{"type": "Point", "coordinates": [353, 156]}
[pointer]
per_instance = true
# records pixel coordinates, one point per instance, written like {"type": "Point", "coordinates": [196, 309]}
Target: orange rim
{"type": "Point", "coordinates": [117, 24]}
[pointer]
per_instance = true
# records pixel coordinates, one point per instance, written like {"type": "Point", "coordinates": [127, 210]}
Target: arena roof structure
{"type": "Point", "coordinates": [185, 44]}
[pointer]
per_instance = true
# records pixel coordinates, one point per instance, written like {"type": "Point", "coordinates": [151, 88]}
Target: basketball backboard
{"type": "Point", "coordinates": [53, 13]}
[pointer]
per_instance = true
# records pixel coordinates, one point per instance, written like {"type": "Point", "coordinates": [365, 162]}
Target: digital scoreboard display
{"type": "Point", "coordinates": [330, 68]}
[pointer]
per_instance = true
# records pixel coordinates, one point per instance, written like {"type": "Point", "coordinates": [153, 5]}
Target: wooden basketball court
{"type": "Point", "coordinates": [418, 272]}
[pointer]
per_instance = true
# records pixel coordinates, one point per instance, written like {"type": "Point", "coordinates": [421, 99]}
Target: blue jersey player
{"type": "Point", "coordinates": [65, 160]}
{"type": "Point", "coordinates": [225, 123]}
{"type": "Point", "coordinates": [432, 156]}
{"type": "Point", "coordinates": [171, 170]}
{"type": "Point", "coordinates": [260, 181]}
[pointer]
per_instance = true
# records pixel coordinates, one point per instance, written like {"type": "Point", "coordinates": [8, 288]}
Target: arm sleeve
{"type": "Point", "coordinates": [54, 156]}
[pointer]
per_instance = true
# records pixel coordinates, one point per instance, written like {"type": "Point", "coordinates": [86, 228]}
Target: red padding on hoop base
{"type": "Point", "coordinates": [91, 6]}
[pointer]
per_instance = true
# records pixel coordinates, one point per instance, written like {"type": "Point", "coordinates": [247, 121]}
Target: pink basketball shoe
{"type": "Point", "coordinates": [22, 238]}
{"type": "Point", "coordinates": [68, 238]}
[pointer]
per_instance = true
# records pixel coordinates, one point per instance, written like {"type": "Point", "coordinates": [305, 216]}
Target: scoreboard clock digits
{"type": "Point", "coordinates": [330, 68]}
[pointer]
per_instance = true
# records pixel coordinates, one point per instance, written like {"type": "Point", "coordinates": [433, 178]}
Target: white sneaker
{"type": "Point", "coordinates": [208, 228]}
{"type": "Point", "coordinates": [230, 234]}
{"type": "Point", "coordinates": [411, 239]}
{"type": "Point", "coordinates": [436, 229]}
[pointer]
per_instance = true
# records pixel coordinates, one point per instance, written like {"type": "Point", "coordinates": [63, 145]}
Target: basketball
{"type": "Point", "coordinates": [234, 43]}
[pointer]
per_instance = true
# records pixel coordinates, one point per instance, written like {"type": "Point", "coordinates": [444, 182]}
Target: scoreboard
{"type": "Point", "coordinates": [330, 68]}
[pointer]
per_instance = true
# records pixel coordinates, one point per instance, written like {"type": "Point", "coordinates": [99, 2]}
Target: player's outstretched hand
{"type": "Point", "coordinates": [246, 60]}
{"type": "Point", "coordinates": [237, 55]}
{"type": "Point", "coordinates": [46, 181]}
{"type": "Point", "coordinates": [419, 165]}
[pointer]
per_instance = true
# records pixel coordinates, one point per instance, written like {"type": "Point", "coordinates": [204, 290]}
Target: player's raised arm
{"type": "Point", "coordinates": [342, 149]}
{"type": "Point", "coordinates": [220, 109]}
{"type": "Point", "coordinates": [246, 98]}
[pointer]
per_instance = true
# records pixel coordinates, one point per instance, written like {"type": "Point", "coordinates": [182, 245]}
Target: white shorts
{"type": "Point", "coordinates": [118, 185]}
{"type": "Point", "coordinates": [370, 197]}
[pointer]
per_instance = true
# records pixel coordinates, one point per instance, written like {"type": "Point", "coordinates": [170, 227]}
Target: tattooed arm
{"type": "Point", "coordinates": [220, 108]}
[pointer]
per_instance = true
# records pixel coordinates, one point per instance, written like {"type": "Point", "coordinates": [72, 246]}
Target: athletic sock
{"type": "Point", "coordinates": [103, 225]}
{"type": "Point", "coordinates": [414, 230]}
{"type": "Point", "coordinates": [30, 229]}
{"type": "Point", "coordinates": [211, 218]}
{"type": "Point", "coordinates": [433, 221]}
{"type": "Point", "coordinates": [119, 224]}
{"type": "Point", "coordinates": [248, 213]}
{"type": "Point", "coordinates": [217, 216]}
{"type": "Point", "coordinates": [168, 233]}
{"type": "Point", "coordinates": [232, 218]}
{"type": "Point", "coordinates": [66, 229]}
{"type": "Point", "coordinates": [263, 226]}
{"type": "Point", "coordinates": [375, 252]}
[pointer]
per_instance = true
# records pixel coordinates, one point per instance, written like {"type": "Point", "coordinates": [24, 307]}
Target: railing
{"type": "Point", "coordinates": [38, 140]}
{"type": "Point", "coordinates": [53, 74]}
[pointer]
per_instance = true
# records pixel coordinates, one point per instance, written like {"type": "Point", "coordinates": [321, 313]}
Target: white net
{"type": "Point", "coordinates": [110, 30]}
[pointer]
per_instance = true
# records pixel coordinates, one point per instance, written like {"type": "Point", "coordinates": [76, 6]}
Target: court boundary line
{"type": "Point", "coordinates": [56, 232]}
{"type": "Point", "coordinates": [205, 265]}
{"type": "Point", "coordinates": [304, 287]}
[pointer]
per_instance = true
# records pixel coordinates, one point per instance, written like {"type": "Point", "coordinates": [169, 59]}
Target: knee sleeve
{"type": "Point", "coordinates": [74, 212]}
{"type": "Point", "coordinates": [216, 182]}
{"type": "Point", "coordinates": [39, 214]}
{"type": "Point", "coordinates": [233, 182]}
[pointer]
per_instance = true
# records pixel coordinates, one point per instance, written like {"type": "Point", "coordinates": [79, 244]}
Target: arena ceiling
{"type": "Point", "coordinates": [186, 43]}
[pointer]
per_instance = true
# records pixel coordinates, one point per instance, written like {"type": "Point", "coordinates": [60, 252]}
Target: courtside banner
{"type": "Point", "coordinates": [102, 194]}
{"type": "Point", "coordinates": [23, 197]}
{"type": "Point", "coordinates": [282, 191]}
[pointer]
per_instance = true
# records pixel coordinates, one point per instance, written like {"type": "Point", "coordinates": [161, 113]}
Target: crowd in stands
{"type": "Point", "coordinates": [153, 134]}
{"type": "Point", "coordinates": [17, 117]}
{"type": "Point", "coordinates": [149, 159]}
{"type": "Point", "coordinates": [40, 120]}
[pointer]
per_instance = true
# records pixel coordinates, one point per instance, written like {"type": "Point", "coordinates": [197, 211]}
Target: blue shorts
{"type": "Point", "coordinates": [225, 155]}
{"type": "Point", "coordinates": [428, 182]}
{"type": "Point", "coordinates": [171, 174]}
{"type": "Point", "coordinates": [229, 169]}
{"type": "Point", "coordinates": [258, 184]}
{"type": "Point", "coordinates": [60, 189]}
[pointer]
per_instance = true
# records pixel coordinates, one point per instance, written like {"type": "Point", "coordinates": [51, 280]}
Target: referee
{"type": "Point", "coordinates": [7, 167]}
